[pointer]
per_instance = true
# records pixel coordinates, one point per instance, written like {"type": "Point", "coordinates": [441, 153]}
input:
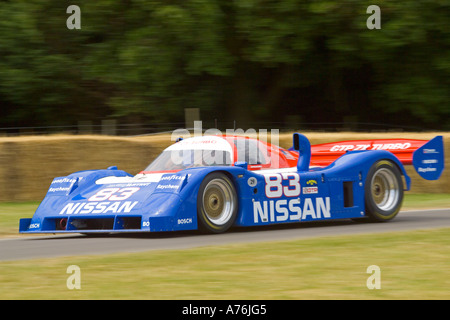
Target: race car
{"type": "Point", "coordinates": [215, 182]}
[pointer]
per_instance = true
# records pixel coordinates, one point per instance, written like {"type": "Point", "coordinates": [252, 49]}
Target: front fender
{"type": "Point", "coordinates": [189, 192]}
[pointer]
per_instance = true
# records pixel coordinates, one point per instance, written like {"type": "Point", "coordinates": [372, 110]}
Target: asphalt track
{"type": "Point", "coordinates": [26, 247]}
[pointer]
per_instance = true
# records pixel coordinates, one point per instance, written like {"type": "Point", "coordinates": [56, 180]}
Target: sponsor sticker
{"type": "Point", "coordinates": [184, 221]}
{"type": "Point", "coordinates": [95, 207]}
{"type": "Point", "coordinates": [375, 146]}
{"type": "Point", "coordinates": [62, 186]}
{"type": "Point", "coordinates": [310, 190]}
{"type": "Point", "coordinates": [291, 210]}
{"type": "Point", "coordinates": [252, 181]}
{"type": "Point", "coordinates": [171, 183]}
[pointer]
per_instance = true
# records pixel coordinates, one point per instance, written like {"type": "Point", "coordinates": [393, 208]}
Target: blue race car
{"type": "Point", "coordinates": [215, 182]}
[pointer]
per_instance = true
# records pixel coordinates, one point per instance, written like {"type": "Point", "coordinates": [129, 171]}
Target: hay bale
{"type": "Point", "coordinates": [28, 164]}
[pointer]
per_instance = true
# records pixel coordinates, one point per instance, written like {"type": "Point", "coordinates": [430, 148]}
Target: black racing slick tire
{"type": "Point", "coordinates": [217, 203]}
{"type": "Point", "coordinates": [383, 191]}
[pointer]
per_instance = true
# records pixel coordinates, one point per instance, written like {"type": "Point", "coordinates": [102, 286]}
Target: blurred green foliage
{"type": "Point", "coordinates": [265, 60]}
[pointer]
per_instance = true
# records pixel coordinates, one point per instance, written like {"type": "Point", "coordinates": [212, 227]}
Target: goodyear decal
{"type": "Point", "coordinates": [62, 186]}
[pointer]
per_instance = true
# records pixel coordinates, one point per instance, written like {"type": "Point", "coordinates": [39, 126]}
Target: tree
{"type": "Point", "coordinates": [244, 60]}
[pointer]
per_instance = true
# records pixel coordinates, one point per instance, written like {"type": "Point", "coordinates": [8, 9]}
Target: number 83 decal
{"type": "Point", "coordinates": [275, 188]}
{"type": "Point", "coordinates": [114, 194]}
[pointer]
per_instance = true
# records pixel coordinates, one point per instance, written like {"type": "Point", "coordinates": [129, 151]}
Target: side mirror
{"type": "Point", "coordinates": [303, 146]}
{"type": "Point", "coordinates": [241, 164]}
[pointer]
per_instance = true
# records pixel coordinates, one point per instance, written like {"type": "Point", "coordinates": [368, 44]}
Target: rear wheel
{"type": "Point", "coordinates": [217, 203]}
{"type": "Point", "coordinates": [383, 191]}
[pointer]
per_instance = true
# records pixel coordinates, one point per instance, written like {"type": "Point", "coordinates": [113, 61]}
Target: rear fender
{"type": "Point", "coordinates": [360, 162]}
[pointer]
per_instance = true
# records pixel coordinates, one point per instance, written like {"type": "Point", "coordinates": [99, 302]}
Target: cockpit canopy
{"type": "Point", "coordinates": [221, 151]}
{"type": "Point", "coordinates": [194, 152]}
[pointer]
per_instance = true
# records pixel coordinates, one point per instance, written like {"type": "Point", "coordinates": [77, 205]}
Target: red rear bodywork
{"type": "Point", "coordinates": [264, 155]}
{"type": "Point", "coordinates": [324, 154]}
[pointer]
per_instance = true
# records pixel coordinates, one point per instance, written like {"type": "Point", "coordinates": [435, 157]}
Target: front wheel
{"type": "Point", "coordinates": [217, 203]}
{"type": "Point", "coordinates": [383, 191]}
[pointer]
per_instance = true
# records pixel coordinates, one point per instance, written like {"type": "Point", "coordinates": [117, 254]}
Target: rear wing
{"type": "Point", "coordinates": [427, 156]}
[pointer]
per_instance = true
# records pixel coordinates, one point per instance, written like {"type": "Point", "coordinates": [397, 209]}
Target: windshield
{"type": "Point", "coordinates": [182, 159]}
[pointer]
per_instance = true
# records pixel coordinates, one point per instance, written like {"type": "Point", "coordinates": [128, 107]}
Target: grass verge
{"type": "Point", "coordinates": [413, 265]}
{"type": "Point", "coordinates": [11, 213]}
{"type": "Point", "coordinates": [426, 201]}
